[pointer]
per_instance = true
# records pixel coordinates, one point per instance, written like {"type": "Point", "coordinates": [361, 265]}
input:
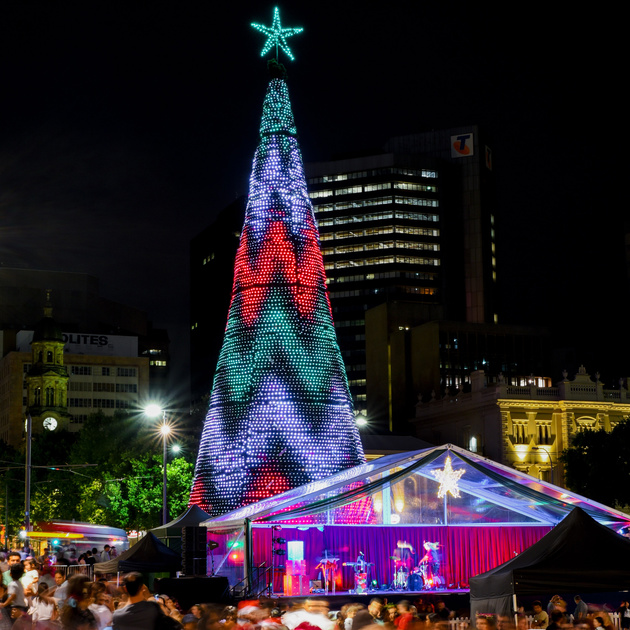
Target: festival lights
{"type": "Point", "coordinates": [448, 478]}
{"type": "Point", "coordinates": [276, 36]}
{"type": "Point", "coordinates": [280, 413]}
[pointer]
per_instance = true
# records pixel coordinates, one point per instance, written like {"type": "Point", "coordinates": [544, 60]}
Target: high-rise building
{"type": "Point", "coordinates": [280, 412]}
{"type": "Point", "coordinates": [413, 227]}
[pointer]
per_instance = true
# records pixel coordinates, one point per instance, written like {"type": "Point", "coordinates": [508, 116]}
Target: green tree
{"type": "Point", "coordinates": [110, 473]}
{"type": "Point", "coordinates": [596, 465]}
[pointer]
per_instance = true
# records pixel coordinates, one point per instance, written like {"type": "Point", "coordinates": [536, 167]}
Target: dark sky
{"type": "Point", "coordinates": [125, 128]}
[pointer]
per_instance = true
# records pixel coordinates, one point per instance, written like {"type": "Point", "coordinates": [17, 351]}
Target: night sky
{"type": "Point", "coordinates": [126, 127]}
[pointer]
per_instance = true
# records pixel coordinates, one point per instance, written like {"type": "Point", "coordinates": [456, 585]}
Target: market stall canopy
{"type": "Point", "coordinates": [580, 555]}
{"type": "Point", "coordinates": [440, 486]}
{"type": "Point", "coordinates": [148, 555]}
{"type": "Point", "coordinates": [192, 517]}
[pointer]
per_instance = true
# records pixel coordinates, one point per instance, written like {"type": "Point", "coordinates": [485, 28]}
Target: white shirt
{"type": "Point", "coordinates": [103, 615]}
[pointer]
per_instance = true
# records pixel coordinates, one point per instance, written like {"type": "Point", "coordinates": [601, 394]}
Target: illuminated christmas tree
{"type": "Point", "coordinates": [280, 412]}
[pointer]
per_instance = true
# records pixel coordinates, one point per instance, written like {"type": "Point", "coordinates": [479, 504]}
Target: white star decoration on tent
{"type": "Point", "coordinates": [448, 478]}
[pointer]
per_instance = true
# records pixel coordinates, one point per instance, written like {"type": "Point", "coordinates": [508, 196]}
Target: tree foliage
{"type": "Point", "coordinates": [596, 465]}
{"type": "Point", "coordinates": [119, 485]}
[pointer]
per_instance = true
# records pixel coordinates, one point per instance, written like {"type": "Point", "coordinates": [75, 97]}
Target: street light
{"type": "Point", "coordinates": [541, 448]}
{"type": "Point", "coordinates": [154, 411]}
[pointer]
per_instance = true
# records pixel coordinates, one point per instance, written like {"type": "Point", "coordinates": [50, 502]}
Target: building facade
{"type": "Point", "coordinates": [526, 422]}
{"type": "Point", "coordinates": [413, 226]}
{"type": "Point", "coordinates": [60, 378]}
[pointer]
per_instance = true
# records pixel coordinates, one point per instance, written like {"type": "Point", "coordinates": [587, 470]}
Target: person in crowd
{"type": "Point", "coordinates": [43, 609]}
{"type": "Point", "coordinates": [13, 558]}
{"type": "Point", "coordinates": [505, 622]}
{"type": "Point", "coordinates": [581, 609]}
{"type": "Point", "coordinates": [16, 600]}
{"type": "Point", "coordinates": [30, 578]}
{"type": "Point", "coordinates": [190, 622]}
{"type": "Point", "coordinates": [541, 619]}
{"type": "Point", "coordinates": [314, 612]}
{"type": "Point", "coordinates": [169, 607]}
{"type": "Point", "coordinates": [551, 606]}
{"type": "Point", "coordinates": [195, 610]}
{"type": "Point", "coordinates": [442, 611]}
{"type": "Point", "coordinates": [486, 622]}
{"type": "Point", "coordinates": [624, 614]}
{"type": "Point", "coordinates": [75, 613]}
{"type": "Point", "coordinates": [5, 613]}
{"type": "Point", "coordinates": [390, 612]}
{"type": "Point", "coordinates": [102, 605]}
{"type": "Point", "coordinates": [139, 613]}
{"type": "Point", "coordinates": [342, 615]}
{"type": "Point", "coordinates": [557, 619]}
{"type": "Point", "coordinates": [375, 608]}
{"type": "Point", "coordinates": [60, 591]}
{"type": "Point", "coordinates": [405, 619]}
{"type": "Point", "coordinates": [105, 555]}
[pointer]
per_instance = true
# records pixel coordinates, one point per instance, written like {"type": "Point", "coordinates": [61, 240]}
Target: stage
{"type": "Point", "coordinates": [456, 600]}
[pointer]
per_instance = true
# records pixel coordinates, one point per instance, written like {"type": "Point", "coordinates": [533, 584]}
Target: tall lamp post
{"type": "Point", "coordinates": [154, 411]}
{"type": "Point", "coordinates": [541, 448]}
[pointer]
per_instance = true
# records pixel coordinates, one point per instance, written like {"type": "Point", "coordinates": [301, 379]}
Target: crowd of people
{"type": "Point", "coordinates": [37, 594]}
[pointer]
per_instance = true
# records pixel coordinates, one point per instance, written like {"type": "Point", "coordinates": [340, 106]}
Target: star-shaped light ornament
{"type": "Point", "coordinates": [276, 35]}
{"type": "Point", "coordinates": [448, 478]}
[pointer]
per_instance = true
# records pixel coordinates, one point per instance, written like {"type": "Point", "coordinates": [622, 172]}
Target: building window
{"type": "Point", "coordinates": [126, 371]}
{"type": "Point", "coordinates": [520, 433]}
{"type": "Point", "coordinates": [81, 370]}
{"type": "Point", "coordinates": [105, 371]}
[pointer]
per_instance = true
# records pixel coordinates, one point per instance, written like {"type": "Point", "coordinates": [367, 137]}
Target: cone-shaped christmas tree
{"type": "Point", "coordinates": [280, 412]}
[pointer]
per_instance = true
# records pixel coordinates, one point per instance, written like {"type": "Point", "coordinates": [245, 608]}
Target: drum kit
{"type": "Point", "coordinates": [420, 578]}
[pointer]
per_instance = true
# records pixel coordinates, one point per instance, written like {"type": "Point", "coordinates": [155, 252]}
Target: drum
{"type": "Point", "coordinates": [416, 583]}
{"type": "Point", "coordinates": [360, 582]}
{"type": "Point", "coordinates": [400, 580]}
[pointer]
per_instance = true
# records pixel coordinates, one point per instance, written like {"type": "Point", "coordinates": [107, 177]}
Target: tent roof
{"type": "Point", "coordinates": [148, 554]}
{"type": "Point", "coordinates": [404, 489]}
{"type": "Point", "coordinates": [579, 555]}
{"type": "Point", "coordinates": [190, 518]}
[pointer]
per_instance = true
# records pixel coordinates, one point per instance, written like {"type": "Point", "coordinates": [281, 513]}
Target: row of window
{"type": "Point", "coordinates": [376, 201]}
{"type": "Point", "coordinates": [366, 247]}
{"type": "Point", "coordinates": [382, 260]}
{"type": "Point", "coordinates": [357, 190]}
{"type": "Point", "coordinates": [379, 216]}
{"type": "Point", "coordinates": [341, 177]}
{"type": "Point", "coordinates": [101, 403]}
{"type": "Point", "coordinates": [377, 231]}
{"type": "Point", "coordinates": [427, 275]}
{"type": "Point", "coordinates": [521, 434]}
{"type": "Point", "coordinates": [87, 370]}
{"type": "Point", "coordinates": [349, 322]}
{"type": "Point", "coordinates": [83, 386]}
{"type": "Point", "coordinates": [397, 289]}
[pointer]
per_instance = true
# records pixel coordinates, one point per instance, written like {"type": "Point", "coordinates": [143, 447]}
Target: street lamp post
{"type": "Point", "coordinates": [541, 448]}
{"type": "Point", "coordinates": [154, 411]}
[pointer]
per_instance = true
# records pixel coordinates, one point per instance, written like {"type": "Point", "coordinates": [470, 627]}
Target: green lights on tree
{"type": "Point", "coordinates": [276, 35]}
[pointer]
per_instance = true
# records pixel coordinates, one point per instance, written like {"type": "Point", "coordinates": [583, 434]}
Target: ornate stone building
{"type": "Point", "coordinates": [525, 424]}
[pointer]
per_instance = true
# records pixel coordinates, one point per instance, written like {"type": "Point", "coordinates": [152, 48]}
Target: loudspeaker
{"type": "Point", "coordinates": [194, 550]}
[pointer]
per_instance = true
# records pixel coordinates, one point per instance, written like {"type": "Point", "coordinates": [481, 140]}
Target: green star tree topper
{"type": "Point", "coordinates": [276, 36]}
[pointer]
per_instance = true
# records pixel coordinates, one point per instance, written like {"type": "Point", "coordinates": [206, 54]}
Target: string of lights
{"type": "Point", "coordinates": [280, 413]}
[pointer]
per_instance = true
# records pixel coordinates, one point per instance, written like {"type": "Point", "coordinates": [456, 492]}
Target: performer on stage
{"type": "Point", "coordinates": [405, 554]}
{"type": "Point", "coordinates": [430, 565]}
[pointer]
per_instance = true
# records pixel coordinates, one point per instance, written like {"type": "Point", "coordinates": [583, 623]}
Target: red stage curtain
{"type": "Point", "coordinates": [464, 551]}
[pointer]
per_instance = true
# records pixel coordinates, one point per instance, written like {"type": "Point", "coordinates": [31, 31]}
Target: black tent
{"type": "Point", "coordinates": [148, 555]}
{"type": "Point", "coordinates": [190, 518]}
{"type": "Point", "coordinates": [578, 556]}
